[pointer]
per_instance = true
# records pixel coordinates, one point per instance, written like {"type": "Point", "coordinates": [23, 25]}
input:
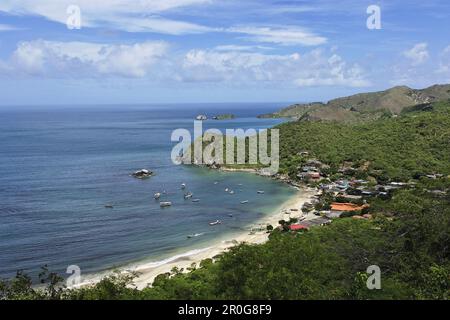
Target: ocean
{"type": "Point", "coordinates": [59, 167]}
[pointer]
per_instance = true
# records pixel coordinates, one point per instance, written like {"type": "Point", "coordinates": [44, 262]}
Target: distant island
{"type": "Point", "coordinates": [227, 116]}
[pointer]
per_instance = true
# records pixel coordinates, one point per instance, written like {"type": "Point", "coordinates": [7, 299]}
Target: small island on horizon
{"type": "Point", "coordinates": [227, 116]}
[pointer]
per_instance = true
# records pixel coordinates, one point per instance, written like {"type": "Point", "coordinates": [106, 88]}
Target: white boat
{"type": "Point", "coordinates": [215, 223]}
{"type": "Point", "coordinates": [195, 235]}
{"type": "Point", "coordinates": [188, 195]}
{"type": "Point", "coordinates": [183, 186]}
{"type": "Point", "coordinates": [231, 192]}
{"type": "Point", "coordinates": [142, 174]}
{"type": "Point", "coordinates": [244, 202]}
{"type": "Point", "coordinates": [260, 192]}
{"type": "Point", "coordinates": [195, 200]}
{"type": "Point", "coordinates": [157, 195]}
{"type": "Point", "coordinates": [165, 204]}
{"type": "Point", "coordinates": [227, 190]}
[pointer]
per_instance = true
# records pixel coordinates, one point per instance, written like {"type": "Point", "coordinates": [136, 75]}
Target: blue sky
{"type": "Point", "coordinates": [164, 51]}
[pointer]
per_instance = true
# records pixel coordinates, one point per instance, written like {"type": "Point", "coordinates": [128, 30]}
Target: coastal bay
{"type": "Point", "coordinates": [68, 198]}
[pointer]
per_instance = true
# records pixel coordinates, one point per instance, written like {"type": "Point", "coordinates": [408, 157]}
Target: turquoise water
{"type": "Point", "coordinates": [58, 169]}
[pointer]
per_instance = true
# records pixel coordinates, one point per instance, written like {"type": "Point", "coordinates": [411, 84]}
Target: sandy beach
{"type": "Point", "coordinates": [150, 270]}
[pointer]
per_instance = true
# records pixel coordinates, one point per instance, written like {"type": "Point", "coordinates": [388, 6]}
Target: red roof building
{"type": "Point", "coordinates": [298, 227]}
{"type": "Point", "coordinates": [336, 206]}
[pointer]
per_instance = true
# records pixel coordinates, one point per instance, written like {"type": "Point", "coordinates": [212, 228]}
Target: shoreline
{"type": "Point", "coordinates": [148, 271]}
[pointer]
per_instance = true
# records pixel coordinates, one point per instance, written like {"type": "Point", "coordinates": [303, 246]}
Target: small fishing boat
{"type": "Point", "coordinates": [188, 195]}
{"type": "Point", "coordinates": [230, 215]}
{"type": "Point", "coordinates": [244, 202]}
{"type": "Point", "coordinates": [215, 182]}
{"type": "Point", "coordinates": [227, 190]}
{"type": "Point", "coordinates": [109, 206]}
{"type": "Point", "coordinates": [183, 186]}
{"type": "Point", "coordinates": [215, 223]}
{"type": "Point", "coordinates": [165, 204]}
{"type": "Point", "coordinates": [260, 192]}
{"type": "Point", "coordinates": [195, 235]}
{"type": "Point", "coordinates": [195, 200]}
{"type": "Point", "coordinates": [142, 174]}
{"type": "Point", "coordinates": [157, 195]}
{"type": "Point", "coordinates": [231, 192]}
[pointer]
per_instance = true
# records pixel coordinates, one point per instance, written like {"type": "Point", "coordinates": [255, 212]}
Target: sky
{"type": "Point", "coordinates": [72, 52]}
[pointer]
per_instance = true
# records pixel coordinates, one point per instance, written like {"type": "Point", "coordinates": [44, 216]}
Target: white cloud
{"type": "Point", "coordinates": [128, 15]}
{"type": "Point", "coordinates": [418, 54]}
{"type": "Point", "coordinates": [233, 47]}
{"type": "Point", "coordinates": [444, 63]}
{"type": "Point", "coordinates": [81, 59]}
{"type": "Point", "coordinates": [154, 61]}
{"type": "Point", "coordinates": [419, 70]}
{"type": "Point", "coordinates": [154, 16]}
{"type": "Point", "coordinates": [283, 35]}
{"type": "Point", "coordinates": [310, 69]}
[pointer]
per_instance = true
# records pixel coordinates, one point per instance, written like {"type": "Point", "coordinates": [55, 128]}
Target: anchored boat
{"type": "Point", "coordinates": [165, 204]}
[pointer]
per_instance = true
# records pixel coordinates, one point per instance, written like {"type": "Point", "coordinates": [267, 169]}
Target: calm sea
{"type": "Point", "coordinates": [59, 167]}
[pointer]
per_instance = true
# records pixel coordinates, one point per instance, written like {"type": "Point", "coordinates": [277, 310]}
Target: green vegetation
{"type": "Point", "coordinates": [400, 148]}
{"type": "Point", "coordinates": [409, 237]}
{"type": "Point", "coordinates": [365, 106]}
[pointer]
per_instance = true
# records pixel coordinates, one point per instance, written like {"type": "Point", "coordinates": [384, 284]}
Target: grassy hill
{"type": "Point", "coordinates": [365, 106]}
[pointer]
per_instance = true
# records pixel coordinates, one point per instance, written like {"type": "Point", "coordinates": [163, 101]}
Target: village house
{"type": "Point", "coordinates": [337, 209]}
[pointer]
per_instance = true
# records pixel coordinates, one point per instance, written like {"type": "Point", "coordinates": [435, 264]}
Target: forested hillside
{"type": "Point", "coordinates": [400, 148]}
